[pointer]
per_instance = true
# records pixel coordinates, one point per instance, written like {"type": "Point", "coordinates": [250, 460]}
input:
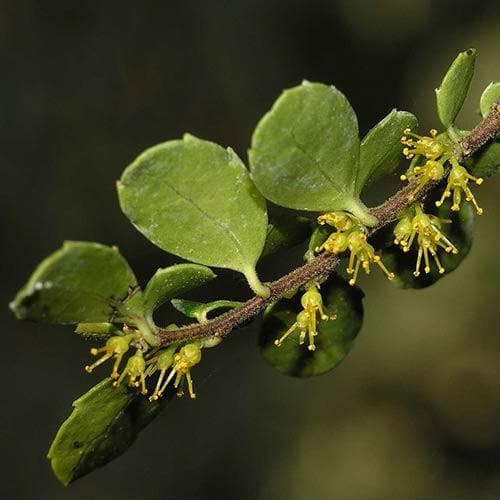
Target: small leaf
{"type": "Point", "coordinates": [452, 92]}
{"type": "Point", "coordinates": [196, 200]}
{"type": "Point", "coordinates": [305, 151]}
{"type": "Point", "coordinates": [200, 311]}
{"type": "Point", "coordinates": [81, 282]}
{"type": "Point", "coordinates": [172, 282]}
{"type": "Point", "coordinates": [490, 95]}
{"type": "Point", "coordinates": [381, 148]}
{"type": "Point", "coordinates": [459, 232]}
{"type": "Point", "coordinates": [104, 423]}
{"type": "Point", "coordinates": [318, 237]}
{"type": "Point", "coordinates": [285, 231]}
{"type": "Point", "coordinates": [334, 340]}
{"type": "Point", "coordinates": [487, 161]}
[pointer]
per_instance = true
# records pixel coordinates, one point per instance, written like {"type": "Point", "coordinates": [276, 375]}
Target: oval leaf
{"type": "Point", "coordinates": [172, 282]}
{"type": "Point", "coordinates": [459, 232]}
{"type": "Point", "coordinates": [81, 282]}
{"type": "Point", "coordinates": [305, 151]}
{"type": "Point", "coordinates": [104, 423]}
{"type": "Point", "coordinates": [490, 95]}
{"type": "Point", "coordinates": [334, 340]}
{"type": "Point", "coordinates": [452, 92]}
{"type": "Point", "coordinates": [196, 200]}
{"type": "Point", "coordinates": [381, 148]}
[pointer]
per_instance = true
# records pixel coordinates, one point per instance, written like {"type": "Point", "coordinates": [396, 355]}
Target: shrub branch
{"type": "Point", "coordinates": [322, 265]}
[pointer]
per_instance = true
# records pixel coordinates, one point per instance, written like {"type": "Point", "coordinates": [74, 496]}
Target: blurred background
{"type": "Point", "coordinates": [413, 413]}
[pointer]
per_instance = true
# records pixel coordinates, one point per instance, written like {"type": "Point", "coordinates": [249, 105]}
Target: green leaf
{"type": "Point", "coordinates": [285, 231]}
{"type": "Point", "coordinates": [334, 340]}
{"type": "Point", "coordinates": [459, 232]}
{"type": "Point", "coordinates": [104, 423]}
{"type": "Point", "coordinates": [490, 95]}
{"type": "Point", "coordinates": [200, 311]}
{"type": "Point", "coordinates": [487, 161]}
{"type": "Point", "coordinates": [381, 148]}
{"type": "Point", "coordinates": [97, 330]}
{"type": "Point", "coordinates": [452, 92]}
{"type": "Point", "coordinates": [172, 282]}
{"type": "Point", "coordinates": [196, 200]}
{"type": "Point", "coordinates": [318, 237]}
{"type": "Point", "coordinates": [305, 151]}
{"type": "Point", "coordinates": [81, 282]}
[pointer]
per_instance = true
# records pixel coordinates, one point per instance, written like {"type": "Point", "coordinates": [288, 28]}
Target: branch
{"type": "Point", "coordinates": [322, 265]}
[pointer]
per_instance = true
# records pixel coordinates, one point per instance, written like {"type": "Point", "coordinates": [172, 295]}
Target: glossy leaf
{"type": "Point", "coordinates": [490, 95]}
{"type": "Point", "coordinates": [452, 92]}
{"type": "Point", "coordinates": [381, 148]}
{"type": "Point", "coordinates": [172, 282]}
{"type": "Point", "coordinates": [196, 200]}
{"type": "Point", "coordinates": [305, 151]}
{"type": "Point", "coordinates": [200, 311]}
{"type": "Point", "coordinates": [104, 423]}
{"type": "Point", "coordinates": [334, 340]}
{"type": "Point", "coordinates": [81, 282]}
{"type": "Point", "coordinates": [459, 232]}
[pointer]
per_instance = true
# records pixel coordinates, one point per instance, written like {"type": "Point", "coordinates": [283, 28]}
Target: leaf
{"type": "Point", "coordinates": [381, 148]}
{"type": "Point", "coordinates": [487, 161]}
{"type": "Point", "coordinates": [490, 95]}
{"type": "Point", "coordinates": [305, 151]}
{"type": "Point", "coordinates": [200, 311]}
{"type": "Point", "coordinates": [196, 200]}
{"type": "Point", "coordinates": [172, 282]}
{"type": "Point", "coordinates": [81, 282]}
{"type": "Point", "coordinates": [285, 231]}
{"type": "Point", "coordinates": [334, 340]}
{"type": "Point", "coordinates": [452, 92]}
{"type": "Point", "coordinates": [104, 423]}
{"type": "Point", "coordinates": [459, 232]}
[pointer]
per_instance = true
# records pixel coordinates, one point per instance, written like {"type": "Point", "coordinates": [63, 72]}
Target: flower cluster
{"type": "Point", "coordinates": [426, 229]}
{"type": "Point", "coordinates": [436, 155]}
{"type": "Point", "coordinates": [137, 369]}
{"type": "Point", "coordinates": [351, 235]}
{"type": "Point", "coordinates": [306, 321]}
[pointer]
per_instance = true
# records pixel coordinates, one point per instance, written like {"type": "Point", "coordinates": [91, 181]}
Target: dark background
{"type": "Point", "coordinates": [414, 411]}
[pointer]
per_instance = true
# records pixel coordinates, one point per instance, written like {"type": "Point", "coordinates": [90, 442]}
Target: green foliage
{"type": "Point", "coordinates": [200, 311]}
{"type": "Point", "coordinates": [490, 95]}
{"type": "Point", "coordinates": [196, 200]}
{"type": "Point", "coordinates": [381, 147]}
{"type": "Point", "coordinates": [487, 162]}
{"type": "Point", "coordinates": [81, 282]}
{"type": "Point", "coordinates": [459, 232]}
{"type": "Point", "coordinates": [104, 423]}
{"type": "Point", "coordinates": [305, 151]}
{"type": "Point", "coordinates": [172, 282]}
{"type": "Point", "coordinates": [451, 94]}
{"type": "Point", "coordinates": [334, 340]}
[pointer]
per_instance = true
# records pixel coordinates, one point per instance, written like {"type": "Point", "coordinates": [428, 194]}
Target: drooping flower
{"type": "Point", "coordinates": [135, 370]}
{"type": "Point", "coordinates": [306, 320]}
{"type": "Point", "coordinates": [458, 180]}
{"type": "Point", "coordinates": [115, 347]}
{"type": "Point", "coordinates": [426, 229]}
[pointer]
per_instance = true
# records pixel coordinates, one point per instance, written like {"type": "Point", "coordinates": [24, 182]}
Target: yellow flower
{"type": "Point", "coordinates": [426, 146]}
{"type": "Point", "coordinates": [135, 369]}
{"type": "Point", "coordinates": [427, 231]}
{"type": "Point", "coordinates": [115, 346]}
{"type": "Point", "coordinates": [187, 357]}
{"type": "Point", "coordinates": [306, 320]}
{"type": "Point", "coordinates": [362, 255]}
{"type": "Point", "coordinates": [341, 221]}
{"type": "Point", "coordinates": [458, 180]}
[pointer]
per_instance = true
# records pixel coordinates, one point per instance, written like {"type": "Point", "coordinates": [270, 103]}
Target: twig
{"type": "Point", "coordinates": [325, 263]}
